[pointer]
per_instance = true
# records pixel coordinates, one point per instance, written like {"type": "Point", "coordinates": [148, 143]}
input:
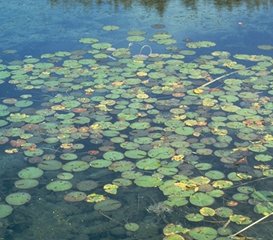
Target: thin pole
{"type": "Point", "coordinates": [223, 76]}
{"type": "Point", "coordinates": [251, 225]}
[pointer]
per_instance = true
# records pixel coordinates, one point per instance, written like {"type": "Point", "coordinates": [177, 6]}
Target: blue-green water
{"type": "Point", "coordinates": [126, 126]}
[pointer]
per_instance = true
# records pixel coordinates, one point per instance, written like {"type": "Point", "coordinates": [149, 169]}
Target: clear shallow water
{"type": "Point", "coordinates": [33, 29]}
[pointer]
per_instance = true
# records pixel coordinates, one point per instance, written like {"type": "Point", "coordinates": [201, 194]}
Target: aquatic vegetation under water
{"type": "Point", "coordinates": [99, 127]}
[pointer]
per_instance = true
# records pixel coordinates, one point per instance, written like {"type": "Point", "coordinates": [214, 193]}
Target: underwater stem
{"type": "Point", "coordinates": [146, 46]}
{"type": "Point", "coordinates": [111, 219]}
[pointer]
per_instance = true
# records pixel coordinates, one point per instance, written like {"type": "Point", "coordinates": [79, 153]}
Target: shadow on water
{"type": "Point", "coordinates": [161, 5]}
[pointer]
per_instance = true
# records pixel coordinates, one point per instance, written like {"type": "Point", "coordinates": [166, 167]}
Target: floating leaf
{"type": "Point", "coordinates": [5, 210]}
{"type": "Point", "coordinates": [110, 28]}
{"type": "Point", "coordinates": [18, 198]}
{"type": "Point", "coordinates": [133, 227]}
{"type": "Point", "coordinates": [201, 199]}
{"type": "Point", "coordinates": [240, 219]}
{"type": "Point", "coordinates": [110, 188]}
{"type": "Point", "coordinates": [203, 233]}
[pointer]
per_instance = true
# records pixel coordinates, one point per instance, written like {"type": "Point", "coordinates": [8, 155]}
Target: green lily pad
{"type": "Point", "coordinates": [100, 163]}
{"type": "Point", "coordinates": [110, 28]}
{"type": "Point", "coordinates": [240, 219]}
{"type": "Point", "coordinates": [200, 44]}
{"type": "Point", "coordinates": [75, 196]}
{"type": "Point", "coordinates": [26, 183]}
{"type": "Point", "coordinates": [122, 182]}
{"type": "Point", "coordinates": [215, 174]}
{"type": "Point", "coordinates": [59, 186]}
{"type": "Point", "coordinates": [148, 181]}
{"type": "Point", "coordinates": [171, 229]}
{"type": "Point", "coordinates": [203, 233]}
{"type": "Point", "coordinates": [34, 152]}
{"type": "Point", "coordinates": [68, 156]}
{"type": "Point", "coordinates": [5, 210]}
{"type": "Point", "coordinates": [86, 185]}
{"type": "Point", "coordinates": [107, 205]}
{"type": "Point", "coordinates": [113, 156]}
{"type": "Point", "coordinates": [264, 208]}
{"type": "Point", "coordinates": [65, 176]}
{"type": "Point", "coordinates": [135, 38]}
{"type": "Point", "coordinates": [135, 154]}
{"type": "Point", "coordinates": [185, 131]}
{"type": "Point", "coordinates": [148, 164]}
{"type": "Point", "coordinates": [201, 199]}
{"type": "Point", "coordinates": [133, 227]}
{"type": "Point", "coordinates": [88, 40]}
{"type": "Point", "coordinates": [18, 198]}
{"type": "Point", "coordinates": [240, 197]}
{"type": "Point", "coordinates": [50, 165]}
{"type": "Point", "coordinates": [30, 172]}
{"type": "Point", "coordinates": [122, 166]}
{"type": "Point", "coordinates": [23, 103]}
{"type": "Point", "coordinates": [76, 166]}
{"type": "Point", "coordinates": [161, 153]}
{"type": "Point", "coordinates": [263, 157]}
{"type": "Point", "coordinates": [102, 45]}
{"type": "Point", "coordinates": [194, 217]}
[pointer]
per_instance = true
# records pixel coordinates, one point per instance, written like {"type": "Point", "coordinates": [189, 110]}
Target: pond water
{"type": "Point", "coordinates": [136, 119]}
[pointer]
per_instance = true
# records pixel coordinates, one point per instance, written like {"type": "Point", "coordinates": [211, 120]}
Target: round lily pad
{"type": "Point", "coordinates": [65, 176]}
{"type": "Point", "coordinates": [59, 186]}
{"type": "Point", "coordinates": [75, 196]}
{"type": "Point", "coordinates": [148, 164]}
{"type": "Point", "coordinates": [148, 181]}
{"type": "Point", "coordinates": [214, 174]}
{"type": "Point", "coordinates": [107, 205]}
{"type": "Point", "coordinates": [135, 154]}
{"type": "Point", "coordinates": [76, 166]}
{"type": "Point", "coordinates": [122, 166]}
{"type": "Point", "coordinates": [135, 38]}
{"type": "Point", "coordinates": [223, 212]}
{"type": "Point", "coordinates": [50, 165]}
{"type": "Point", "coordinates": [113, 156]}
{"type": "Point", "coordinates": [185, 131]}
{"type": "Point", "coordinates": [18, 198]}
{"type": "Point", "coordinates": [263, 157]}
{"type": "Point", "coordinates": [161, 153]}
{"type": "Point", "coordinates": [194, 217]}
{"type": "Point", "coordinates": [240, 219]}
{"type": "Point", "coordinates": [133, 227]}
{"type": "Point", "coordinates": [34, 152]}
{"type": "Point", "coordinates": [100, 163]}
{"type": "Point", "coordinates": [201, 199]}
{"type": "Point", "coordinates": [87, 185]}
{"type": "Point", "coordinates": [5, 210]}
{"type": "Point", "coordinates": [26, 183]}
{"type": "Point", "coordinates": [203, 233]}
{"type": "Point", "coordinates": [30, 172]}
{"type": "Point", "coordinates": [110, 28]}
{"type": "Point", "coordinates": [68, 156]}
{"type": "Point", "coordinates": [170, 229]}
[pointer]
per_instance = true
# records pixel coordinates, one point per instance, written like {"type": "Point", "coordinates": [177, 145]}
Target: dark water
{"type": "Point", "coordinates": [32, 30]}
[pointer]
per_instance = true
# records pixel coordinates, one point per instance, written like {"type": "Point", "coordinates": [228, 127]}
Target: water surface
{"type": "Point", "coordinates": [119, 116]}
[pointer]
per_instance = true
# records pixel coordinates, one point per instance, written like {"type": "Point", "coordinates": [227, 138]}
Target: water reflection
{"type": "Point", "coordinates": [161, 5]}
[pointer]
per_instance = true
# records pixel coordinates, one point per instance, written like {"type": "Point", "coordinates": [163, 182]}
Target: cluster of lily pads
{"type": "Point", "coordinates": [154, 120]}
